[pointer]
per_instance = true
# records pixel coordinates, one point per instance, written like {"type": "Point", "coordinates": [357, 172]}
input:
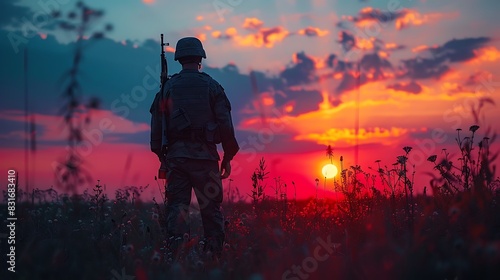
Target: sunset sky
{"type": "Point", "coordinates": [300, 76]}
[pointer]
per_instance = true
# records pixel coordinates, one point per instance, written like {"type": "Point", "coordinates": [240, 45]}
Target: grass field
{"type": "Point", "coordinates": [445, 236]}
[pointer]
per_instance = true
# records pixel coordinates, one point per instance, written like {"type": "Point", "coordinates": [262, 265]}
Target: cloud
{"type": "Point", "coordinates": [264, 37]}
{"type": "Point", "coordinates": [369, 15]}
{"type": "Point", "coordinates": [458, 50]}
{"type": "Point", "coordinates": [347, 40]}
{"type": "Point", "coordinates": [411, 87]}
{"type": "Point", "coordinates": [300, 72]}
{"type": "Point", "coordinates": [414, 18]}
{"type": "Point", "coordinates": [374, 65]}
{"type": "Point", "coordinates": [313, 32]}
{"type": "Point", "coordinates": [438, 63]}
{"type": "Point", "coordinates": [488, 54]}
{"type": "Point", "coordinates": [402, 18]}
{"type": "Point", "coordinates": [348, 135]}
{"type": "Point", "coordinates": [252, 23]}
{"type": "Point", "coordinates": [261, 36]}
{"type": "Point", "coordinates": [51, 127]}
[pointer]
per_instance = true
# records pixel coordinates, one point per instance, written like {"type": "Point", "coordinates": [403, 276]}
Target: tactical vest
{"type": "Point", "coordinates": [189, 106]}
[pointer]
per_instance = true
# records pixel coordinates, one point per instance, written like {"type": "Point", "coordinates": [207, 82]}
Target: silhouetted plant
{"type": "Point", "coordinates": [76, 113]}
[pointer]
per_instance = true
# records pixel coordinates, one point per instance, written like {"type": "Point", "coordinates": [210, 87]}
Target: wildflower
{"type": "Point", "coordinates": [402, 159]}
{"type": "Point", "coordinates": [432, 158]}
{"type": "Point", "coordinates": [473, 128]}
{"type": "Point", "coordinates": [407, 149]}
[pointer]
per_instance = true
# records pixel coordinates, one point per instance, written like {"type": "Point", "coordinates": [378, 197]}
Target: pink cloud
{"type": "Point", "coordinates": [52, 128]}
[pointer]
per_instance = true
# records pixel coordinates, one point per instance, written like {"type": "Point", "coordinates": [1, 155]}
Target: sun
{"type": "Point", "coordinates": [329, 171]}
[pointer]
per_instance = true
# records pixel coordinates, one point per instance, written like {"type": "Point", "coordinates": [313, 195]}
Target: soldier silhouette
{"type": "Point", "coordinates": [195, 117]}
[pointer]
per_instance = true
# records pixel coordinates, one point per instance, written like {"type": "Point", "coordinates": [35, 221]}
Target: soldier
{"type": "Point", "coordinates": [196, 116]}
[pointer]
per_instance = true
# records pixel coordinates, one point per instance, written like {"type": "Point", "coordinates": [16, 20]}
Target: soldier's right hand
{"type": "Point", "coordinates": [225, 169]}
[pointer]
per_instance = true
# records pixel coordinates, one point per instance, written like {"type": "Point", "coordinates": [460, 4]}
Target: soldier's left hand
{"type": "Point", "coordinates": [225, 169]}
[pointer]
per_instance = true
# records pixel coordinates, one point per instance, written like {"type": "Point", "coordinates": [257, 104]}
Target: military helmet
{"type": "Point", "coordinates": [189, 46]}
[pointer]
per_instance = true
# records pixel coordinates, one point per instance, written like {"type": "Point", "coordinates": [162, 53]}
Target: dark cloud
{"type": "Point", "coordinates": [266, 32]}
{"type": "Point", "coordinates": [333, 62]}
{"type": "Point", "coordinates": [378, 15]}
{"type": "Point", "coordinates": [374, 64]}
{"type": "Point", "coordinates": [459, 50]}
{"type": "Point", "coordinates": [349, 82]}
{"type": "Point", "coordinates": [435, 66]}
{"type": "Point", "coordinates": [312, 32]}
{"type": "Point", "coordinates": [347, 40]}
{"type": "Point", "coordinates": [424, 68]}
{"type": "Point", "coordinates": [411, 87]}
{"type": "Point", "coordinates": [303, 101]}
{"type": "Point", "coordinates": [301, 72]}
{"type": "Point", "coordinates": [373, 15]}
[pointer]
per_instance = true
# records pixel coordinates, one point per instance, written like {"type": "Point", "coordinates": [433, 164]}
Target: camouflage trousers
{"type": "Point", "coordinates": [183, 175]}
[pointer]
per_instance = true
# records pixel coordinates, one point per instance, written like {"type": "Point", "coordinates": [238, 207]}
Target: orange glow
{"type": "Point", "coordinates": [266, 37]}
{"type": "Point", "coordinates": [207, 27]}
{"type": "Point", "coordinates": [216, 34]}
{"type": "Point", "coordinates": [231, 31]}
{"type": "Point", "coordinates": [149, 1]}
{"type": "Point", "coordinates": [267, 100]}
{"type": "Point", "coordinates": [420, 48]}
{"type": "Point", "coordinates": [313, 31]}
{"type": "Point", "coordinates": [170, 49]}
{"type": "Point", "coordinates": [488, 54]}
{"type": "Point", "coordinates": [252, 23]}
{"type": "Point", "coordinates": [450, 86]}
{"type": "Point", "coordinates": [365, 44]}
{"type": "Point", "coordinates": [289, 108]}
{"type": "Point", "coordinates": [199, 18]}
{"type": "Point", "coordinates": [383, 54]}
{"type": "Point", "coordinates": [348, 135]}
{"type": "Point", "coordinates": [391, 46]}
{"type": "Point", "coordinates": [43, 36]}
{"type": "Point", "coordinates": [414, 18]}
{"type": "Point", "coordinates": [202, 37]}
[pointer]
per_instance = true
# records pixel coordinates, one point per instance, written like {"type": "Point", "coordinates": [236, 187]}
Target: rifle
{"type": "Point", "coordinates": [162, 171]}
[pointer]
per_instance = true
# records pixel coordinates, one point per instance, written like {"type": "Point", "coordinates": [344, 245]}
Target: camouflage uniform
{"type": "Point", "coordinates": [196, 117]}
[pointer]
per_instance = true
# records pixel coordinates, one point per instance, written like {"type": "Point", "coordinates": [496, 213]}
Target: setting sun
{"type": "Point", "coordinates": [329, 171]}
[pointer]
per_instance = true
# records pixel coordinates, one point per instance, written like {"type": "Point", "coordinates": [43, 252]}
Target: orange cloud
{"type": "Point", "coordinates": [488, 54]}
{"type": "Point", "coordinates": [365, 44]}
{"type": "Point", "coordinates": [420, 48]}
{"type": "Point", "coordinates": [414, 18]}
{"type": "Point", "coordinates": [266, 37]}
{"type": "Point", "coordinates": [313, 31]}
{"type": "Point", "coordinates": [252, 23]}
{"type": "Point", "coordinates": [148, 1]}
{"type": "Point", "coordinates": [348, 135]}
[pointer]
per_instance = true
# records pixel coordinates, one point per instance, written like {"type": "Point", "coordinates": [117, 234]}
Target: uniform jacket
{"type": "Point", "coordinates": [189, 116]}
